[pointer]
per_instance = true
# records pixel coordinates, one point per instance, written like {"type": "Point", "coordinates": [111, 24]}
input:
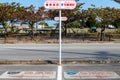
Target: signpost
{"type": "Point", "coordinates": [59, 5]}
{"type": "Point", "coordinates": [62, 18]}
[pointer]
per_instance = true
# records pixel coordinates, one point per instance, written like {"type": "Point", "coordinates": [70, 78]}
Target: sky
{"type": "Point", "coordinates": [97, 3]}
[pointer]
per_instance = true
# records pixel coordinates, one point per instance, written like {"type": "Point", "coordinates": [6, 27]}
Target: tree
{"type": "Point", "coordinates": [72, 16]}
{"type": "Point", "coordinates": [7, 15]}
{"type": "Point", "coordinates": [118, 1]}
{"type": "Point", "coordinates": [107, 15]}
{"type": "Point", "coordinates": [31, 16]}
{"type": "Point", "coordinates": [90, 22]}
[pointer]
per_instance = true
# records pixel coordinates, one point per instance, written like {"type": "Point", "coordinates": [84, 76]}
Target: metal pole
{"type": "Point", "coordinates": [59, 75]}
{"type": "Point", "coordinates": [60, 38]}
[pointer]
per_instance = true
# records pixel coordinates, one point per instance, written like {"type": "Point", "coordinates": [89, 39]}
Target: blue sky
{"type": "Point", "coordinates": [97, 3]}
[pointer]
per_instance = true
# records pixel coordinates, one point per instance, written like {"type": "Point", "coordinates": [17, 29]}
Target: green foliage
{"type": "Point", "coordinates": [1, 4]}
{"type": "Point", "coordinates": [90, 22]}
{"type": "Point", "coordinates": [43, 23]}
{"type": "Point", "coordinates": [117, 23]}
{"type": "Point", "coordinates": [14, 12]}
{"type": "Point", "coordinates": [117, 1]}
{"type": "Point", "coordinates": [74, 24]}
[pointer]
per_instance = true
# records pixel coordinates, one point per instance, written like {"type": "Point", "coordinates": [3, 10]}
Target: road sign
{"type": "Point", "coordinates": [62, 18]}
{"type": "Point", "coordinates": [29, 75]}
{"type": "Point", "coordinates": [91, 75]}
{"type": "Point", "coordinates": [60, 4]}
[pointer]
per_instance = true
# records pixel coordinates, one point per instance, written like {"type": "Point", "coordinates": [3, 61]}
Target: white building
{"type": "Point", "coordinates": [41, 26]}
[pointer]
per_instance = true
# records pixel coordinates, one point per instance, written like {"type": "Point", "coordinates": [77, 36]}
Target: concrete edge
{"type": "Point", "coordinates": [46, 62]}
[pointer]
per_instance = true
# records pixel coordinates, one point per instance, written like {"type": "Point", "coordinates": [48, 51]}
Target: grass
{"type": "Point", "coordinates": [85, 30]}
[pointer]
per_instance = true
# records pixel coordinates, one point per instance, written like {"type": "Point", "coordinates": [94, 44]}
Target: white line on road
{"type": "Point", "coordinates": [59, 74]}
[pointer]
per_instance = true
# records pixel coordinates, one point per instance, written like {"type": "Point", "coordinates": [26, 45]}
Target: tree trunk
{"type": "Point", "coordinates": [65, 31]}
{"type": "Point", "coordinates": [32, 34]}
{"type": "Point", "coordinates": [5, 33]}
{"type": "Point", "coordinates": [31, 31]}
{"type": "Point", "coordinates": [101, 34]}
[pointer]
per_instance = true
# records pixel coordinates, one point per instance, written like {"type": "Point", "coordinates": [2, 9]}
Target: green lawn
{"type": "Point", "coordinates": [85, 30]}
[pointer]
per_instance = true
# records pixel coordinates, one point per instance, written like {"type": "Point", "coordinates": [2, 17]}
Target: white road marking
{"type": "Point", "coordinates": [29, 75]}
{"type": "Point", "coordinates": [91, 75]}
{"type": "Point", "coordinates": [59, 75]}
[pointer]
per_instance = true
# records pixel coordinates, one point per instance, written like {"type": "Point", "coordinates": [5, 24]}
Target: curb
{"type": "Point", "coordinates": [46, 62]}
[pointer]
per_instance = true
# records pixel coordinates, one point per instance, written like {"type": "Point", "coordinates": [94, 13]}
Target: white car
{"type": "Point", "coordinates": [111, 27]}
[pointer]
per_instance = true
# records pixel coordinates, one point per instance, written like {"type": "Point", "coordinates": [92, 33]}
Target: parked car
{"type": "Point", "coordinates": [81, 27]}
{"type": "Point", "coordinates": [92, 29]}
{"type": "Point", "coordinates": [111, 27]}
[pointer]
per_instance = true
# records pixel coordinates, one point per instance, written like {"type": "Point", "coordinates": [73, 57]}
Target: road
{"type": "Point", "coordinates": [80, 51]}
{"type": "Point", "coordinates": [69, 72]}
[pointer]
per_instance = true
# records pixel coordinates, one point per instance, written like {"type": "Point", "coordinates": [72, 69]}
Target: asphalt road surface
{"type": "Point", "coordinates": [80, 51]}
{"type": "Point", "coordinates": [69, 72]}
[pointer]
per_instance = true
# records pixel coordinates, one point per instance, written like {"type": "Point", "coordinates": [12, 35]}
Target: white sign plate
{"type": "Point", "coordinates": [91, 75]}
{"type": "Point", "coordinates": [29, 75]}
{"type": "Point", "coordinates": [60, 4]}
{"type": "Point", "coordinates": [62, 18]}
